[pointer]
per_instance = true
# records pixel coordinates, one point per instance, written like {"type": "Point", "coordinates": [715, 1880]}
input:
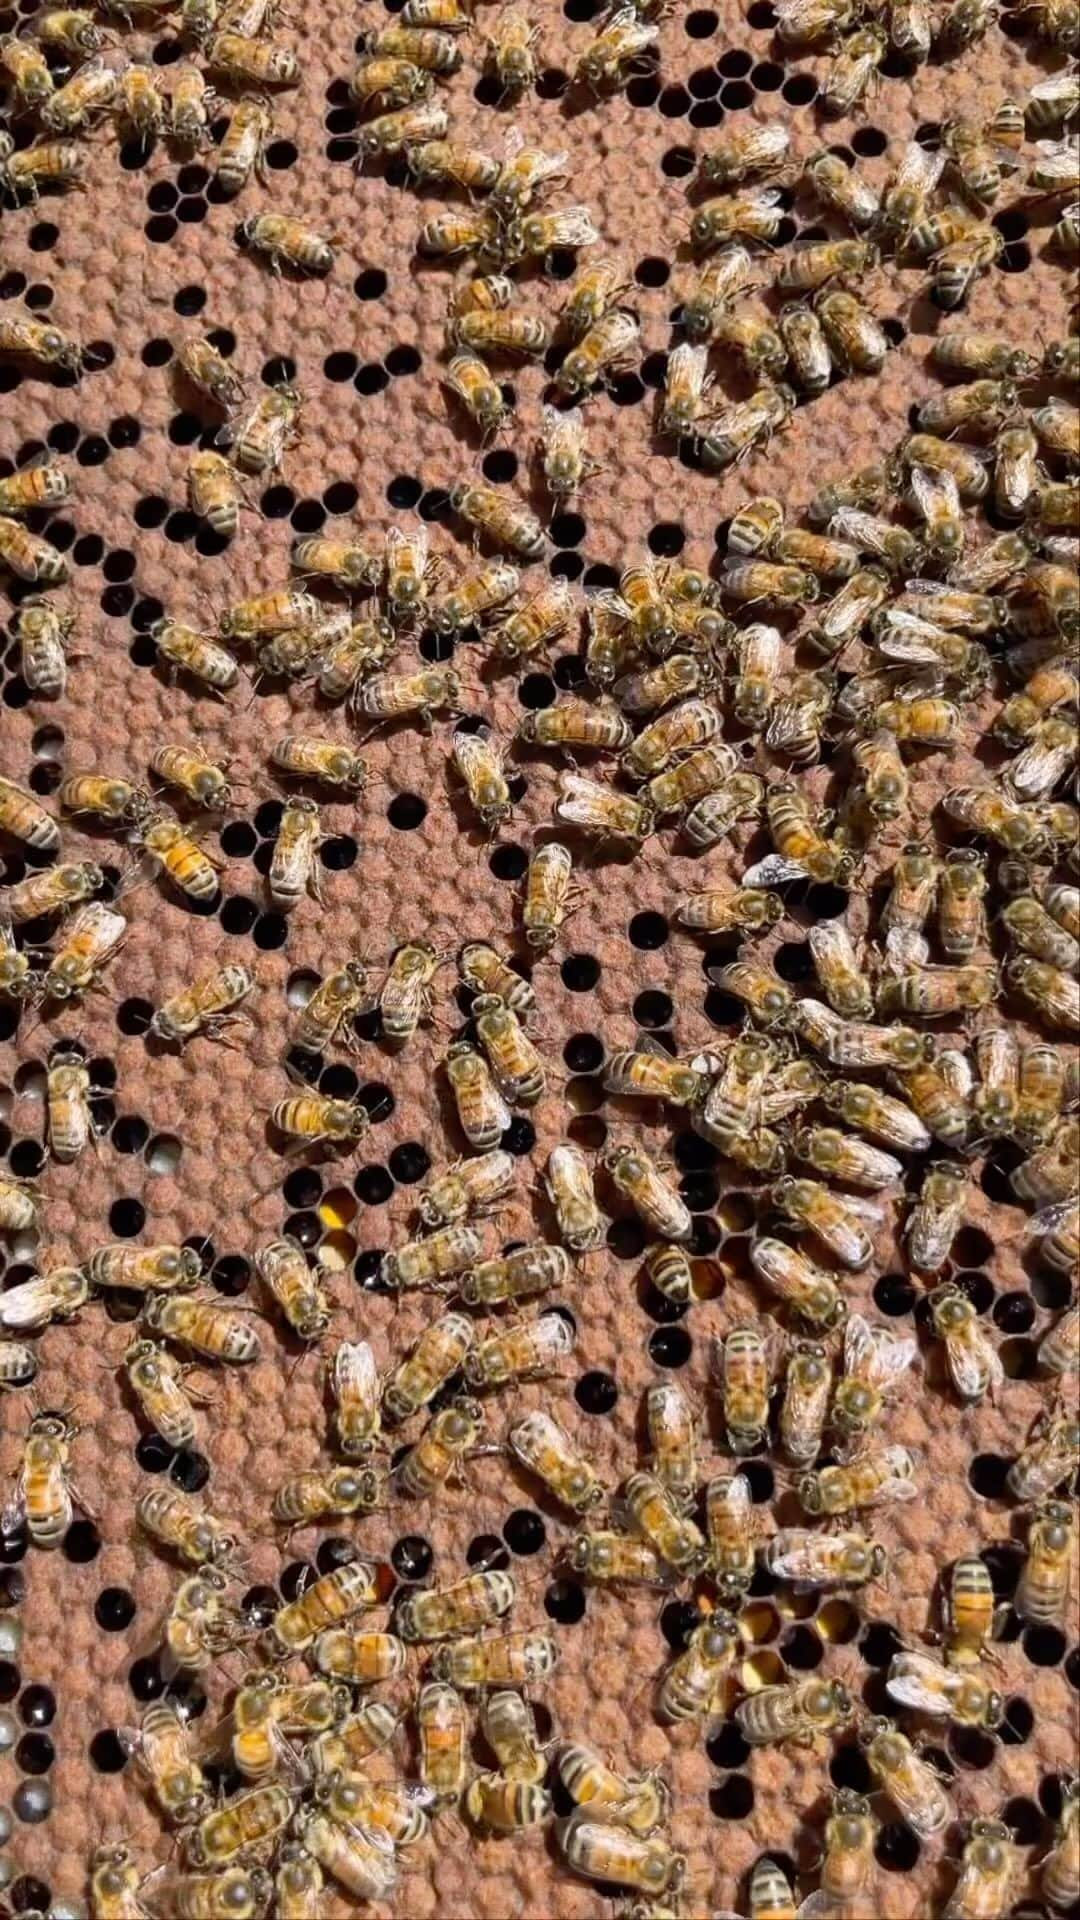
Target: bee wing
{"type": "Point", "coordinates": [773, 871]}
{"type": "Point", "coordinates": [901, 1484]}
{"type": "Point", "coordinates": [955, 1070]}
{"type": "Point", "coordinates": [1034, 1228]}
{"type": "Point", "coordinates": [573, 227]}
{"type": "Point", "coordinates": [415, 544]}
{"type": "Point", "coordinates": [610, 605]}
{"type": "Point", "coordinates": [935, 492]}
{"type": "Point", "coordinates": [355, 1371]}
{"type": "Point", "coordinates": [25, 1306]}
{"type": "Point", "coordinates": [890, 1357]}
{"type": "Point", "coordinates": [905, 949]}
{"type": "Point", "coordinates": [819, 1905]}
{"type": "Point", "coordinates": [915, 1681]}
{"type": "Point", "coordinates": [858, 1346]}
{"type": "Point", "coordinates": [689, 362]}
{"type": "Point", "coordinates": [974, 1365]}
{"type": "Point", "coordinates": [14, 1512]}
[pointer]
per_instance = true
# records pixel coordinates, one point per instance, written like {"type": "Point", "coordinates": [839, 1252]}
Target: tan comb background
{"type": "Point", "coordinates": [110, 282]}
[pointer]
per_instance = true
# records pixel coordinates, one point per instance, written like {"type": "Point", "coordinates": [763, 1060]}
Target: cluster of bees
{"type": "Point", "coordinates": [861, 38]}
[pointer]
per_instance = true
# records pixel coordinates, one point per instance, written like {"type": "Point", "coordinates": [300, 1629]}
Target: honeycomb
{"type": "Point", "coordinates": [185, 1153]}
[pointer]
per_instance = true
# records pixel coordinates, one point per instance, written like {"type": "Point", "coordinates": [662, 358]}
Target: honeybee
{"type": "Point", "coordinates": [755, 214]}
{"type": "Point", "coordinates": [482, 1111]}
{"type": "Point", "coordinates": [190, 867]}
{"type": "Point", "coordinates": [292, 867]}
{"type": "Point", "coordinates": [1049, 755]}
{"type": "Point", "coordinates": [510, 52]}
{"type": "Point", "coordinates": [196, 654]}
{"type": "Point", "coordinates": [243, 148]}
{"type": "Point", "coordinates": [264, 435]}
{"type": "Point", "coordinates": [69, 1118]}
{"type": "Point", "coordinates": [798, 1711]}
{"type": "Point", "coordinates": [600, 1850]}
{"type": "Point", "coordinates": [196, 1535]}
{"type": "Point", "coordinates": [987, 1872]}
{"type": "Point", "coordinates": [204, 1326]}
{"type": "Point", "coordinates": [744, 1373]}
{"type": "Point", "coordinates": [336, 1001]}
{"type": "Point", "coordinates": [956, 266]}
{"type": "Point", "coordinates": [514, 1060]}
{"type": "Point", "coordinates": [533, 1268]}
{"type": "Point", "coordinates": [503, 520]}
{"type": "Point", "coordinates": [720, 282]}
{"type": "Point", "coordinates": [807, 1386]}
{"type": "Point", "coordinates": [332, 1598]}
{"type": "Point", "coordinates": [527, 1351]}
{"type": "Point", "coordinates": [810, 22]}
{"type": "Point", "coordinates": [33, 83]}
{"type": "Point", "coordinates": [388, 82]}
{"type": "Point", "coordinates": [161, 1269]}
{"type": "Point", "coordinates": [449, 1438]}
{"type": "Point", "coordinates": [479, 763]}
{"type": "Point", "coordinates": [681, 729]}
{"type": "Point", "coordinates": [760, 150]}
{"type": "Point", "coordinates": [114, 1884]}
{"type": "Point", "coordinates": [435, 1258]}
{"type": "Point", "coordinates": [16, 980]}
{"type": "Point", "coordinates": [641, 1804]}
{"type": "Point", "coordinates": [874, 1361]}
{"type": "Point", "coordinates": [618, 1559]}
{"type": "Point", "coordinates": [324, 1492]}
{"type": "Point", "coordinates": [600, 810]}
{"type": "Point", "coordinates": [672, 1440]}
{"type": "Point", "coordinates": [52, 890]}
{"type": "Point", "coordinates": [911, 1784]}
{"type": "Point", "coordinates": [248, 1820]}
{"type": "Point", "coordinates": [470, 1605]}
{"type": "Point", "coordinates": [208, 1006]}
{"type": "Point", "coordinates": [694, 1684]}
{"type": "Point", "coordinates": [917, 1681]}
{"type": "Point", "coordinates": [475, 597]}
{"type": "Point", "coordinates": [460, 229]}
{"type": "Point", "coordinates": [1043, 1590]}
{"type": "Point", "coordinates": [360, 1859]}
{"type": "Point", "coordinates": [498, 1805]}
{"type": "Point", "coordinates": [1060, 1229]}
{"type": "Point", "coordinates": [443, 1731]}
{"type": "Point", "coordinates": [1038, 933]}
{"type": "Point", "coordinates": [30, 557]}
{"type": "Point", "coordinates": [815, 1560]}
{"type": "Point", "coordinates": [161, 1746]}
{"type": "Point", "coordinates": [1061, 1868]}
{"type": "Point", "coordinates": [41, 486]}
{"type": "Point", "coordinates": [1051, 1454]}
{"type": "Point", "coordinates": [89, 92]}
{"type": "Point", "coordinates": [1055, 995]}
{"type": "Point", "coordinates": [547, 897]}
{"type": "Point", "coordinates": [44, 1499]}
{"type": "Point", "coordinates": [282, 1267]}
{"type": "Point", "coordinates": [242, 58]}
{"type": "Point", "coordinates": [843, 189]}
{"type": "Point", "coordinates": [566, 464]}
{"type": "Point", "coordinates": [139, 104]}
{"type": "Point", "coordinates": [544, 1449]}
{"type": "Point", "coordinates": [604, 349]}
{"type": "Point", "coordinates": [467, 1187]}
{"type": "Point", "coordinates": [346, 660]}
{"type": "Point", "coordinates": [34, 1303]}
{"type": "Point", "coordinates": [502, 1660]}
{"type": "Point", "coordinates": [190, 108]}
{"type": "Point", "coordinates": [875, 1477]}
{"type": "Point", "coordinates": [808, 1290]}
{"type": "Point", "coordinates": [638, 1178]}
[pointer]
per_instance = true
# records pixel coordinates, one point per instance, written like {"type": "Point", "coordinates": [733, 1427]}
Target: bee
{"type": "Point", "coordinates": [114, 1884]}
{"type": "Point", "coordinates": [1038, 933]}
{"type": "Point", "coordinates": [577, 724]}
{"type": "Point", "coordinates": [639, 1179]}
{"type": "Point", "coordinates": [672, 1440]}
{"type": "Point", "coordinates": [798, 1711]}
{"type": "Point", "coordinates": [30, 557]}
{"type": "Point", "coordinates": [479, 763]}
{"type": "Point", "coordinates": [756, 340]}
{"type": "Point", "coordinates": [1051, 1454]}
{"type": "Point", "coordinates": [987, 1871]}
{"type": "Point", "coordinates": [982, 153]}
{"type": "Point", "coordinates": [1060, 1228]}
{"type": "Point", "coordinates": [1043, 1590]}
{"type": "Point", "coordinates": [334, 1004]}
{"type": "Point", "coordinates": [467, 1187]}
{"type": "Point", "coordinates": [1055, 995]}
{"type": "Point", "coordinates": [449, 1438]}
{"type": "Point", "coordinates": [1061, 1869]}
{"type": "Point", "coordinates": [459, 229]}
{"type": "Point", "coordinates": [566, 464]}
{"type": "Point", "coordinates": [720, 282]}
{"type": "Point", "coordinates": [527, 1270]}
{"type": "Point", "coordinates": [1058, 427]}
{"type": "Point", "coordinates": [190, 108]}
{"type": "Point", "coordinates": [618, 1559]}
{"type": "Point", "coordinates": [34, 86]}
{"type": "Point", "coordinates": [843, 189]}
{"type": "Point", "coordinates": [503, 1660]}
{"type": "Point", "coordinates": [679, 676]}
{"type": "Point", "coordinates": [204, 1326]}
{"type": "Point", "coordinates": [854, 70]}
{"type": "Point", "coordinates": [847, 1867]}
{"type": "Point", "coordinates": [678, 731]}
{"type": "Point", "coordinates": [50, 891]}
{"type": "Point", "coordinates": [443, 1732]}
{"type": "Point", "coordinates": [90, 91]}
{"type": "Point", "coordinates": [543, 1448]}
{"type": "Point", "coordinates": [436, 1257]}
{"type": "Point", "coordinates": [356, 1399]}
{"type": "Point", "coordinates": [475, 597]}
{"type": "Point", "coordinates": [868, 1481]}
{"type": "Point", "coordinates": [351, 656]}
{"type": "Point", "coordinates": [358, 1857]}
{"type": "Point", "coordinates": [659, 1518]}
{"type": "Point", "coordinates": [1048, 1175]}
{"type": "Point", "coordinates": [388, 696]}
{"type": "Point", "coordinates": [140, 105]}
{"type": "Point", "coordinates": [292, 867]}
{"type": "Point", "coordinates": [34, 1303]}
{"type": "Point", "coordinates": [755, 214]}
{"type": "Point", "coordinates": [813, 265]}
{"type": "Point", "coordinates": [482, 1111]}
{"type": "Point", "coordinates": [527, 1351]}
{"type": "Point", "coordinates": [161, 1269]}
{"type": "Point", "coordinates": [915, 1680]}
{"type": "Point", "coordinates": [197, 1536]}
{"type": "Point", "coordinates": [332, 1598]}
{"type": "Point", "coordinates": [531, 627]}
{"type": "Point", "coordinates": [161, 1746]}
{"type": "Point", "coordinates": [68, 1114]}
{"type": "Point", "coordinates": [810, 1292]}
{"type": "Point", "coordinates": [814, 1560]}
{"type": "Point", "coordinates": [883, 793]}
{"type": "Point", "coordinates": [35, 487]}
{"type": "Point", "coordinates": [604, 349]}
{"type": "Point", "coordinates": [845, 986]}
{"type": "Point", "coordinates": [811, 22]}
{"type": "Point", "coordinates": [1049, 755]}
{"type": "Point", "coordinates": [215, 493]}
{"type": "Point", "coordinates": [600, 1850]}
{"type": "Point", "coordinates": [744, 1373]}
{"type": "Point", "coordinates": [694, 1684]}
{"type": "Point", "coordinates": [747, 910]}
{"type": "Point", "coordinates": [600, 810]}
{"type": "Point", "coordinates": [208, 1006]}
{"type": "Point", "coordinates": [714, 815]}
{"type": "Point", "coordinates": [346, 562]}
{"type": "Point", "coordinates": [20, 1206]}
{"type": "Point", "coordinates": [514, 1060]}
{"type": "Point", "coordinates": [547, 893]}
{"type": "Point", "coordinates": [731, 1548]}
{"type": "Point", "coordinates": [211, 374]}
{"type": "Point", "coordinates": [510, 53]}
{"type": "Point", "coordinates": [873, 1362]}
{"type": "Point", "coordinates": [509, 1727]}
{"type": "Point", "coordinates": [911, 1784]}
{"type": "Point", "coordinates": [760, 150]}
{"type": "Point", "coordinates": [44, 1498]}
{"type": "Point", "coordinates": [192, 870]}
{"type": "Point", "coordinates": [503, 520]}
{"type": "Point", "coordinates": [282, 1267]}
{"type": "Point", "coordinates": [807, 1386]}
{"type": "Point", "coordinates": [242, 58]}
{"type": "Point", "coordinates": [262, 438]}
{"type": "Point", "coordinates": [622, 47]}
{"type": "Point", "coordinates": [1015, 468]}
{"type": "Point", "coordinates": [242, 151]}
{"type": "Point", "coordinates": [470, 1605]}
{"type": "Point", "coordinates": [956, 267]}
{"type": "Point", "coordinates": [196, 654]}
{"type": "Point", "coordinates": [309, 758]}
{"type": "Point", "coordinates": [251, 1819]}
{"type": "Point", "coordinates": [986, 811]}
{"type": "Point", "coordinates": [389, 82]}
{"type": "Point", "coordinates": [640, 1803]}
{"type": "Point", "coordinates": [322, 1492]}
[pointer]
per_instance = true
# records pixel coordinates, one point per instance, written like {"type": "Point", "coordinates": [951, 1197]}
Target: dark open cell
{"type": "Point", "coordinates": [270, 931]}
{"type": "Point", "coordinates": [726, 1747]}
{"type": "Point", "coordinates": [402, 360]}
{"type": "Point", "coordinates": [160, 228]}
{"type": "Point", "coordinates": [500, 467]}
{"type": "Point", "coordinates": [238, 915]}
{"type": "Point", "coordinates": [564, 1602]}
{"type": "Point", "coordinates": [596, 1392]}
{"type": "Point", "coordinates": [894, 1294]}
{"type": "Point", "coordinates": [644, 91]}
{"type": "Point", "coordinates": [626, 1239]}
{"type": "Point", "coordinates": [295, 1579]}
{"type": "Point", "coordinates": [82, 1543]}
{"type": "Point", "coordinates": [487, 1551]}
{"type": "Point", "coordinates": [305, 1228]}
{"type": "Point", "coordinates": [340, 366]}
{"type": "Point", "coordinates": [734, 1800]}
{"type": "Point", "coordinates": [190, 1470]}
{"type": "Point", "coordinates": [35, 1753]}
{"type": "Point", "coordinates": [584, 1053]}
{"type": "Point", "coordinates": [987, 1475]}
{"type": "Point", "coordinates": [231, 1275]}
{"type": "Point", "coordinates": [849, 1768]}
{"type": "Point", "coordinates": [29, 1895]}
{"type": "Point", "coordinates": [114, 1609]}
{"type": "Point", "coordinates": [800, 90]}
{"type": "Point", "coordinates": [736, 95]}
{"type": "Point", "coordinates": [567, 529]}
{"type": "Point", "coordinates": [409, 1162]}
{"type": "Point", "coordinates": [1044, 1646]}
{"type": "Point", "coordinates": [127, 1217]}
{"type": "Point", "coordinates": [373, 1185]}
{"type": "Point", "coordinates": [670, 1347]}
{"type": "Point", "coordinates": [678, 162]}
{"type": "Point", "coordinates": [896, 1848]}
{"type": "Point", "coordinates": [524, 1531]}
{"type": "Point", "coordinates": [411, 1556]}
{"type": "Point", "coordinates": [1014, 1312]}
{"type": "Point", "coordinates": [37, 1706]}
{"type": "Point", "coordinates": [580, 972]}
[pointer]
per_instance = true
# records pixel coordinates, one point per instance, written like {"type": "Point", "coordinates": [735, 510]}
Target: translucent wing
{"type": "Point", "coordinates": [916, 1681]}
{"type": "Point", "coordinates": [355, 1373]}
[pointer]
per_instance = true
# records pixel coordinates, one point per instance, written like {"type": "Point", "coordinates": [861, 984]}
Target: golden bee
{"type": "Point", "coordinates": [282, 1267]}
{"type": "Point", "coordinates": [34, 1303]}
{"type": "Point", "coordinates": [160, 1269]}
{"type": "Point", "coordinates": [564, 459]}
{"type": "Point", "coordinates": [443, 1732]}
{"type": "Point", "coordinates": [618, 1559]}
{"type": "Point", "coordinates": [509, 1727]}
{"type": "Point", "coordinates": [502, 1660]}
{"type": "Point", "coordinates": [195, 653]}
{"type": "Point", "coordinates": [1060, 1879]}
{"type": "Point", "coordinates": [936, 1216]}
{"type": "Point", "coordinates": [16, 979]}
{"type": "Point", "coordinates": [526, 1270]}
{"type": "Point", "coordinates": [759, 150]}
{"type": "Point", "coordinates": [435, 1258]}
{"type": "Point", "coordinates": [995, 1100]}
{"type": "Point", "coordinates": [320, 1493]}
{"type": "Point", "coordinates": [44, 1499]}
{"type": "Point", "coordinates": [720, 282]}
{"type": "Point", "coordinates": [387, 696]}
{"type": "Point", "coordinates": [798, 1711]}
{"type": "Point", "coordinates": [481, 1109]}
{"type": "Point", "coordinates": [41, 486]}
{"type": "Point", "coordinates": [810, 1292]}
{"type": "Point", "coordinates": [139, 102]}
{"type": "Point", "coordinates": [909, 1781]}
{"type": "Point", "coordinates": [570, 1188]}
{"type": "Point", "coordinates": [251, 1819]}
{"type": "Point", "coordinates": [264, 435]}
{"type": "Point", "coordinates": [198, 779]}
{"type": "Point", "coordinates": [190, 108]}
{"type": "Point", "coordinates": [843, 189]}
{"type": "Point", "coordinates": [642, 1804]}
{"type": "Point", "coordinates": [472, 1604]}
{"type": "Point", "coordinates": [815, 1560]}
{"type": "Point", "coordinates": [161, 1746]}
{"type": "Point", "coordinates": [642, 1183]}
{"type": "Point", "coordinates": [988, 1870]}
{"type": "Point", "coordinates": [31, 76]}
{"type": "Point", "coordinates": [870, 1480]}
{"type": "Point", "coordinates": [50, 891]}
{"type": "Point", "coordinates": [242, 151]}
{"type": "Point", "coordinates": [215, 493]}
{"type": "Point", "coordinates": [196, 1535]}
{"type": "Point", "coordinates": [347, 658]}
{"type": "Point", "coordinates": [387, 81]}
{"type": "Point", "coordinates": [601, 1850]}
{"type": "Point", "coordinates": [347, 1589]}
{"type": "Point", "coordinates": [756, 213]}
{"type": "Point", "coordinates": [460, 230]}
{"type": "Point", "coordinates": [745, 1382]}
{"type": "Point", "coordinates": [807, 348]}
{"type": "Point", "coordinates": [604, 349]}
{"type": "Point", "coordinates": [476, 597]}
{"type": "Point", "coordinates": [114, 1884]}
{"type": "Point", "coordinates": [1054, 994]}
{"type": "Point", "coordinates": [987, 811]}
{"type": "Point", "coordinates": [535, 624]}
{"type": "Point", "coordinates": [190, 867]}
{"type": "Point", "coordinates": [355, 1382]}
{"type": "Point", "coordinates": [812, 22]}
{"type": "Point", "coordinates": [617, 52]}
{"type": "Point", "coordinates": [661, 1521]}
{"type": "Point", "coordinates": [1059, 1227]}
{"type": "Point", "coordinates": [467, 1188]}
{"type": "Point", "coordinates": [695, 1683]}
{"type": "Point", "coordinates": [807, 1388]}
{"type": "Point", "coordinates": [292, 868]}
{"type": "Point", "coordinates": [357, 1858]}
{"type": "Point", "coordinates": [208, 1006]}
{"type": "Point", "coordinates": [89, 93]}
{"type": "Point", "coordinates": [527, 1351]}
{"type": "Point", "coordinates": [449, 1438]}
{"type": "Point", "coordinates": [69, 1119]}
{"type": "Point", "coordinates": [501, 331]}
{"type": "Point", "coordinates": [957, 265]}
{"type": "Point", "coordinates": [597, 289]}
{"type": "Point", "coordinates": [1051, 1454]}
{"type": "Point", "coordinates": [204, 1326]}
{"type": "Point", "coordinates": [479, 763]}
{"type": "Point", "coordinates": [543, 1448]}
{"type": "Point", "coordinates": [1043, 1589]}
{"type": "Point", "coordinates": [711, 818]}
{"type": "Point", "coordinates": [241, 59]}
{"type": "Point", "coordinates": [29, 556]}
